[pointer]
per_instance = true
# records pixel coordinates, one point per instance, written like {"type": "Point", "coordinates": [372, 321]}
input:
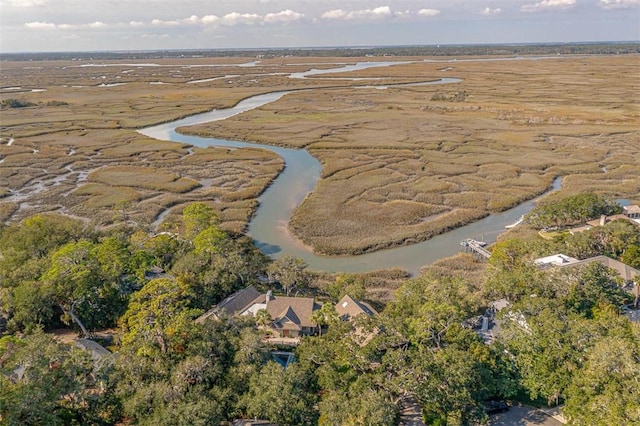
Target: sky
{"type": "Point", "coordinates": [99, 25]}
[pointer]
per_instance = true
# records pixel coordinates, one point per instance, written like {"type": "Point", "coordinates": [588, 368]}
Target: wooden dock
{"type": "Point", "coordinates": [475, 247]}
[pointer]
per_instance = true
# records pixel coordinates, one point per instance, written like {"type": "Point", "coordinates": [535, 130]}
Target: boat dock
{"type": "Point", "coordinates": [475, 247]}
{"type": "Point", "coordinates": [516, 223]}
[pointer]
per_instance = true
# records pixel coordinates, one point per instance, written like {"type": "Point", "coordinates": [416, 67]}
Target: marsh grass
{"type": "Point", "coordinates": [143, 177]}
{"type": "Point", "coordinates": [99, 195]}
{"type": "Point", "coordinates": [402, 164]}
{"type": "Point", "coordinates": [399, 165]}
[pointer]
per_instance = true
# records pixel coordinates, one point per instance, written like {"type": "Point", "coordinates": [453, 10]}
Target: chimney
{"type": "Point", "coordinates": [603, 220]}
{"type": "Point", "coordinates": [269, 296]}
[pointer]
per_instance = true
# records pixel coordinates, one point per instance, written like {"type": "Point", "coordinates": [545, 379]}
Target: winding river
{"type": "Point", "coordinates": [302, 171]}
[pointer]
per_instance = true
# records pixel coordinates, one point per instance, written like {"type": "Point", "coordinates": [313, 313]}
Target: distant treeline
{"type": "Point", "coordinates": [432, 50]}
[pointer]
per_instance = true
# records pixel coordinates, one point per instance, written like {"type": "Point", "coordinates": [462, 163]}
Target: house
{"type": "Point", "coordinates": [606, 219]}
{"type": "Point", "coordinates": [555, 260]}
{"type": "Point", "coordinates": [290, 316]}
{"type": "Point", "coordinates": [632, 212]}
{"type": "Point", "coordinates": [233, 305]}
{"type": "Point", "coordinates": [625, 271]}
{"type": "Point", "coordinates": [347, 308]}
{"type": "Point", "coordinates": [629, 275]}
{"type": "Point", "coordinates": [629, 213]}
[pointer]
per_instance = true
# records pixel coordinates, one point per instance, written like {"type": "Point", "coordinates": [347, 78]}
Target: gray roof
{"type": "Point", "coordinates": [235, 304]}
{"type": "Point", "coordinates": [96, 350]}
{"type": "Point", "coordinates": [348, 308]}
{"type": "Point", "coordinates": [626, 272]}
{"type": "Point", "coordinates": [239, 301]}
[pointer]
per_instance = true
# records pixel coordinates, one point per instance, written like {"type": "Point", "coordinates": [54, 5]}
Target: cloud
{"type": "Point", "coordinates": [284, 16]}
{"type": "Point", "coordinates": [428, 12]}
{"type": "Point", "coordinates": [334, 14]}
{"type": "Point", "coordinates": [27, 3]}
{"type": "Point", "coordinates": [209, 19]}
{"type": "Point", "coordinates": [155, 36]}
{"type": "Point", "coordinates": [377, 13]}
{"type": "Point", "coordinates": [403, 14]}
{"type": "Point", "coordinates": [40, 25]}
{"type": "Point", "coordinates": [548, 5]}
{"type": "Point", "coordinates": [97, 24]}
{"type": "Point", "coordinates": [163, 23]}
{"type": "Point", "coordinates": [235, 18]}
{"type": "Point", "coordinates": [65, 27]}
{"type": "Point", "coordinates": [618, 4]}
{"type": "Point", "coordinates": [487, 11]}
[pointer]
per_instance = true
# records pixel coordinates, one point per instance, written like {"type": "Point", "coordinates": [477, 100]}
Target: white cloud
{"type": "Point", "coordinates": [136, 24]}
{"type": "Point", "coordinates": [378, 12]}
{"type": "Point", "coordinates": [235, 18]}
{"type": "Point", "coordinates": [487, 11]}
{"type": "Point", "coordinates": [65, 27]}
{"type": "Point", "coordinates": [428, 12]}
{"type": "Point", "coordinates": [191, 20]}
{"type": "Point", "coordinates": [548, 5]}
{"type": "Point", "coordinates": [618, 4]}
{"type": "Point", "coordinates": [209, 19]}
{"type": "Point", "coordinates": [26, 3]}
{"type": "Point", "coordinates": [155, 36]}
{"type": "Point", "coordinates": [403, 14]}
{"type": "Point", "coordinates": [334, 14]}
{"type": "Point", "coordinates": [40, 25]}
{"type": "Point", "coordinates": [97, 24]}
{"type": "Point", "coordinates": [162, 23]}
{"type": "Point", "coordinates": [284, 16]}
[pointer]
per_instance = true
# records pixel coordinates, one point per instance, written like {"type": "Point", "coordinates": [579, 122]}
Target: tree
{"type": "Point", "coordinates": [318, 318]}
{"type": "Point", "coordinates": [25, 246]}
{"type": "Point", "coordinates": [281, 395]}
{"type": "Point", "coordinates": [571, 210]}
{"type": "Point", "coordinates": [606, 391]}
{"type": "Point", "coordinates": [158, 316]}
{"type": "Point", "coordinates": [79, 288]}
{"type": "Point", "coordinates": [196, 218]}
{"type": "Point", "coordinates": [631, 255]}
{"type": "Point", "coordinates": [170, 369]}
{"type": "Point", "coordinates": [290, 272]}
{"type": "Point", "coordinates": [29, 306]}
{"type": "Point", "coordinates": [263, 319]}
{"type": "Point", "coordinates": [324, 316]}
{"type": "Point", "coordinates": [365, 406]}
{"type": "Point", "coordinates": [350, 284]}
{"type": "Point", "coordinates": [594, 287]}
{"type": "Point", "coordinates": [51, 383]}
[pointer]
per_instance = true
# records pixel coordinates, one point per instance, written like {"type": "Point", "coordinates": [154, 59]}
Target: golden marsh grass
{"type": "Point", "coordinates": [399, 165]}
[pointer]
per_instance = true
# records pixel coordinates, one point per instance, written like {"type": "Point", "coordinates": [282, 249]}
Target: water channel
{"type": "Point", "coordinates": [302, 171]}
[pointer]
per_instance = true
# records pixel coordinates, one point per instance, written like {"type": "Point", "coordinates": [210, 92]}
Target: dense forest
{"type": "Point", "coordinates": [564, 338]}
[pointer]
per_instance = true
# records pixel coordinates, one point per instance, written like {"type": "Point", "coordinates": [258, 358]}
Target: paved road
{"type": "Point", "coordinates": [522, 415]}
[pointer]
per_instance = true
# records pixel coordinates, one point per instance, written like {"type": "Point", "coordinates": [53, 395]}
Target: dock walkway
{"type": "Point", "coordinates": [476, 247]}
